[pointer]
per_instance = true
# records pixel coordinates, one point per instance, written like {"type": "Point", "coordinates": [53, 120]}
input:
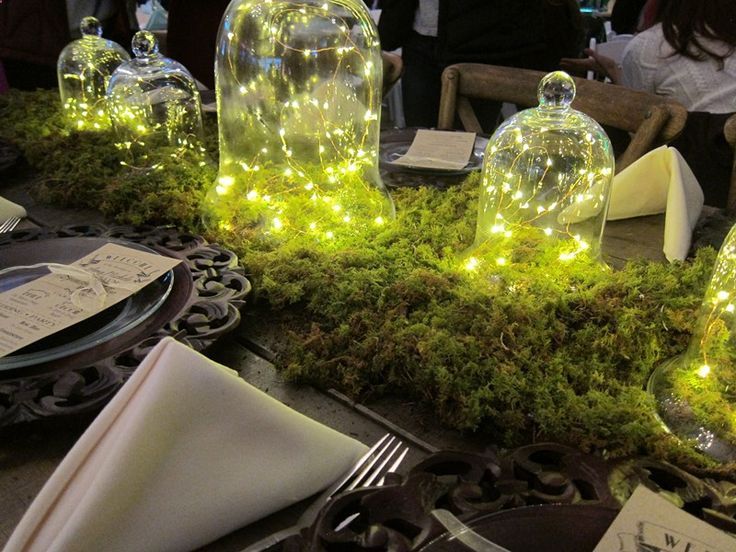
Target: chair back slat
{"type": "Point", "coordinates": [652, 120]}
{"type": "Point", "coordinates": [729, 130]}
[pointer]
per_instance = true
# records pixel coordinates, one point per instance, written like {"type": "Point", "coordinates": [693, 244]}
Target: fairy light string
{"type": "Point", "coordinates": [298, 102]}
{"type": "Point", "coordinates": [155, 107]}
{"type": "Point", "coordinates": [84, 69]}
{"type": "Point", "coordinates": [546, 170]}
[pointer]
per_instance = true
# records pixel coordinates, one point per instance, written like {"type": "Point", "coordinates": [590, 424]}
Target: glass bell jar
{"type": "Point", "coordinates": [696, 392]}
{"type": "Point", "coordinates": [154, 104]}
{"type": "Point", "coordinates": [545, 182]}
{"type": "Point", "coordinates": [84, 69]}
{"type": "Point", "coordinates": [298, 101]}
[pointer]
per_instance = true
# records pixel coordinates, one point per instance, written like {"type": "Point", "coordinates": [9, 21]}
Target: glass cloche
{"type": "Point", "coordinates": [298, 100]}
{"type": "Point", "coordinates": [154, 102]}
{"type": "Point", "coordinates": [84, 69]}
{"type": "Point", "coordinates": [546, 180]}
{"type": "Point", "coordinates": [696, 392]}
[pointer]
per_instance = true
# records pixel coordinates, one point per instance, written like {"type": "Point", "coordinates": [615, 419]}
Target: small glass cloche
{"type": "Point", "coordinates": [696, 392]}
{"type": "Point", "coordinates": [298, 101]}
{"type": "Point", "coordinates": [154, 102]}
{"type": "Point", "coordinates": [546, 180]}
{"type": "Point", "coordinates": [84, 69]}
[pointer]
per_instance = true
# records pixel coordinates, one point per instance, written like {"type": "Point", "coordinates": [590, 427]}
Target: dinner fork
{"type": "Point", "coordinates": [371, 469]}
{"type": "Point", "coordinates": [9, 225]}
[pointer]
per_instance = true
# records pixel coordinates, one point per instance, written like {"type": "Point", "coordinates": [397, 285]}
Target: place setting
{"type": "Point", "coordinates": [429, 152]}
{"type": "Point", "coordinates": [84, 326]}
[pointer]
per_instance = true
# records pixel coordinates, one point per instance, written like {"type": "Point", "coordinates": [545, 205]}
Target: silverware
{"type": "Point", "coordinates": [383, 457]}
{"type": "Point", "coordinates": [9, 225]}
{"type": "Point", "coordinates": [464, 534]}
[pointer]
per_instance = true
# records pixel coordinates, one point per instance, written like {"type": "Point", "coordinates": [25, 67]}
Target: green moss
{"type": "Point", "coordinates": [521, 352]}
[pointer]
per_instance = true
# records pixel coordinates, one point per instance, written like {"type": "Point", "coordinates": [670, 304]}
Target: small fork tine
{"type": "Point", "coordinates": [365, 471]}
{"type": "Point", "coordinates": [380, 469]}
{"type": "Point", "coordinates": [9, 225]}
{"type": "Point", "coordinates": [367, 458]}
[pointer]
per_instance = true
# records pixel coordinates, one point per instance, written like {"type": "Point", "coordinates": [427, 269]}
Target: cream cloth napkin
{"type": "Point", "coordinates": [660, 182]}
{"type": "Point", "coordinates": [185, 452]}
{"type": "Point", "coordinates": [9, 209]}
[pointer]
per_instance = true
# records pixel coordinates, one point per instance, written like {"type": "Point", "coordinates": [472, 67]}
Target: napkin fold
{"type": "Point", "coordinates": [184, 453]}
{"type": "Point", "coordinates": [660, 182]}
{"type": "Point", "coordinates": [9, 209]}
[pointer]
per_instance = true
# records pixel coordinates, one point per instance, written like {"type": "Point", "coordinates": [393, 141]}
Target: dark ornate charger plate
{"type": "Point", "coordinates": [397, 141]}
{"type": "Point", "coordinates": [204, 304]}
{"type": "Point", "coordinates": [545, 497]}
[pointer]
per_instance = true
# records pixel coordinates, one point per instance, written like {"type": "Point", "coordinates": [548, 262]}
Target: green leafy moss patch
{"type": "Point", "coordinates": [524, 351]}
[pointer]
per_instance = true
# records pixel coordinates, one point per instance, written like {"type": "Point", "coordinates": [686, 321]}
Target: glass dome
{"type": "Point", "coordinates": [546, 178]}
{"type": "Point", "coordinates": [298, 99]}
{"type": "Point", "coordinates": [84, 68]}
{"type": "Point", "coordinates": [696, 392]}
{"type": "Point", "coordinates": [154, 103]}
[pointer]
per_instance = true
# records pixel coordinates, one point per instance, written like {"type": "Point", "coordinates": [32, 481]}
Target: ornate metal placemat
{"type": "Point", "coordinates": [578, 493]}
{"type": "Point", "coordinates": [204, 304]}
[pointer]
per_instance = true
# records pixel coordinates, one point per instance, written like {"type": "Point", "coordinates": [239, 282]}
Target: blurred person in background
{"type": "Point", "coordinates": [626, 16]}
{"type": "Point", "coordinates": [433, 34]}
{"type": "Point", "coordinates": [688, 53]}
{"type": "Point", "coordinates": [33, 33]}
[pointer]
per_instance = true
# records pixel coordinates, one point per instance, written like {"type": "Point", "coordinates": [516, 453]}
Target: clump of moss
{"type": "Point", "coordinates": [519, 352]}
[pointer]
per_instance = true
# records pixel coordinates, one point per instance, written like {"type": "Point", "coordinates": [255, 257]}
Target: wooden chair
{"type": "Point", "coordinates": [393, 67]}
{"type": "Point", "coordinates": [650, 120]}
{"type": "Point", "coordinates": [729, 130]}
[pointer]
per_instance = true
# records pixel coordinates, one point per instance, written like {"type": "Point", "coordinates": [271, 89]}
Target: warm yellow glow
{"type": "Point", "coordinates": [471, 264]}
{"type": "Point", "coordinates": [703, 371]}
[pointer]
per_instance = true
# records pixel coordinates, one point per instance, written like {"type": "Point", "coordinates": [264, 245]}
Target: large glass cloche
{"type": "Point", "coordinates": [84, 69]}
{"type": "Point", "coordinates": [546, 180]}
{"type": "Point", "coordinates": [298, 100]}
{"type": "Point", "coordinates": [154, 103]}
{"type": "Point", "coordinates": [696, 392]}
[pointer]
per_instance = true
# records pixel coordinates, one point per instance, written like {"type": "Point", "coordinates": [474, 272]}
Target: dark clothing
{"type": "Point", "coordinates": [34, 32]}
{"type": "Point", "coordinates": [704, 147]}
{"type": "Point", "coordinates": [192, 35]}
{"type": "Point", "coordinates": [532, 34]}
{"type": "Point", "coordinates": [625, 16]}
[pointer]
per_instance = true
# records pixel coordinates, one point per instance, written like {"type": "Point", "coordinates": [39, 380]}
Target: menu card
{"type": "Point", "coordinates": [72, 293]}
{"type": "Point", "coordinates": [650, 523]}
{"type": "Point", "coordinates": [439, 149]}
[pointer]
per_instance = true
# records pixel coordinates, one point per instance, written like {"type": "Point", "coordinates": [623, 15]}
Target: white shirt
{"type": "Point", "coordinates": [426, 16]}
{"type": "Point", "coordinates": [698, 85]}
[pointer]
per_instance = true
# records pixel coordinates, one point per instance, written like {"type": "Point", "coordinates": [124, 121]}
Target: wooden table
{"type": "Point", "coordinates": [29, 454]}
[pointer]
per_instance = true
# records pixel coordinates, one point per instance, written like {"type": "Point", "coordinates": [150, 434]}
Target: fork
{"type": "Point", "coordinates": [9, 225]}
{"type": "Point", "coordinates": [370, 469]}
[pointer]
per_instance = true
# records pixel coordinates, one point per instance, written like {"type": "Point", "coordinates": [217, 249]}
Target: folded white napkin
{"type": "Point", "coordinates": [660, 182]}
{"type": "Point", "coordinates": [185, 452]}
{"type": "Point", "coordinates": [9, 209]}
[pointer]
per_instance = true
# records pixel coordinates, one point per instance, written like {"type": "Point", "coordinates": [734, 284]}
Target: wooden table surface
{"type": "Point", "coordinates": [29, 454]}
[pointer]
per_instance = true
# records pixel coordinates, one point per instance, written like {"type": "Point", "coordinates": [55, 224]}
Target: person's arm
{"type": "Point", "coordinates": [601, 65]}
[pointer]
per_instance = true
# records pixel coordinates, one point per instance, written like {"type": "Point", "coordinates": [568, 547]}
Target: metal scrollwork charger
{"type": "Point", "coordinates": [545, 497]}
{"type": "Point", "coordinates": [201, 304]}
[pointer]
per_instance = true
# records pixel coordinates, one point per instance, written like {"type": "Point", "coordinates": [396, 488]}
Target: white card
{"type": "Point", "coordinates": [58, 300]}
{"type": "Point", "coordinates": [651, 523]}
{"type": "Point", "coordinates": [439, 149]}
